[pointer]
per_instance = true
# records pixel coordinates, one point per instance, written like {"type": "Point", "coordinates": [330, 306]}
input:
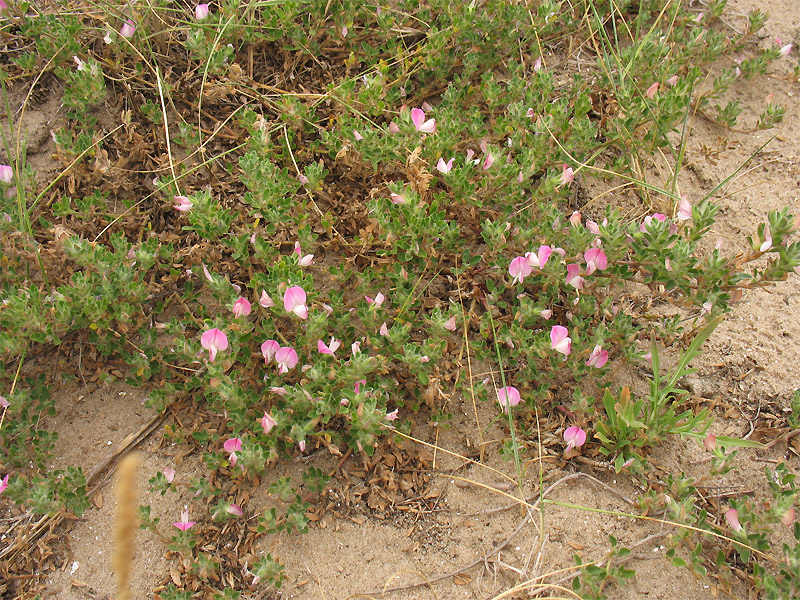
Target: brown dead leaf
{"type": "Point", "coordinates": [77, 583]}
{"type": "Point", "coordinates": [97, 499]}
{"type": "Point", "coordinates": [175, 576]}
{"type": "Point", "coordinates": [462, 579]}
{"type": "Point", "coordinates": [575, 545]}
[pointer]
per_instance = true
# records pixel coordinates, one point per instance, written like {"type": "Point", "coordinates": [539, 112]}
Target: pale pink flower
{"type": "Point", "coordinates": [593, 227]}
{"type": "Point", "coordinates": [767, 243]}
{"type": "Point", "coordinates": [575, 218]}
{"type": "Point", "coordinates": [265, 300]}
{"type": "Point", "coordinates": [279, 390]}
{"type": "Point", "coordinates": [201, 11]}
{"type": "Point", "coordinates": [394, 127]}
{"type": "Point", "coordinates": [530, 113]}
{"type": "Point", "coordinates": [6, 174]}
{"type": "Point", "coordinates": [303, 179]}
{"type": "Point", "coordinates": [546, 313]}
{"type": "Point", "coordinates": [684, 209]}
{"type": "Point", "coordinates": [560, 340]}
{"type": "Point", "coordinates": [397, 198]}
{"type": "Point", "coordinates": [785, 50]}
{"type": "Point", "coordinates": [79, 63]}
{"type": "Point", "coordinates": [344, 30]}
{"type": "Point", "coordinates": [128, 29]}
{"type": "Point", "coordinates": [384, 329]}
{"type": "Point", "coordinates": [450, 324]}
{"type": "Point", "coordinates": [207, 274]}
{"type": "Point", "coordinates": [355, 347]}
{"type": "Point", "coordinates": [519, 269]}
{"type": "Point", "coordinates": [286, 358]}
{"type": "Point", "coordinates": [214, 341]}
{"type": "Point", "coordinates": [489, 161]}
{"type": "Point", "coordinates": [302, 445]}
{"type": "Point", "coordinates": [184, 523]}
{"type": "Point", "coordinates": [426, 106]}
{"type": "Point", "coordinates": [598, 357]}
{"type": "Point", "coordinates": [651, 91]}
{"type": "Point", "coordinates": [418, 118]}
{"type": "Point", "coordinates": [267, 423]}
{"type": "Point", "coordinates": [392, 416]}
{"type": "Point", "coordinates": [575, 437]}
{"type": "Point", "coordinates": [305, 261]}
{"type": "Point", "coordinates": [567, 175]}
{"type": "Point", "coordinates": [539, 260]}
{"type": "Point", "coordinates": [377, 301]}
{"type": "Point", "coordinates": [330, 348]}
{"type": "Point", "coordinates": [672, 80]}
{"type": "Point", "coordinates": [788, 517]}
{"type": "Point", "coordinates": [242, 307]}
{"type": "Point", "coordinates": [294, 301]}
{"type": "Point", "coordinates": [4, 483]}
{"type": "Point", "coordinates": [357, 136]}
{"type": "Point", "coordinates": [573, 276]}
{"type": "Point", "coordinates": [445, 167]}
{"type": "Point", "coordinates": [235, 510]}
{"type": "Point", "coordinates": [537, 64]}
{"type": "Point", "coordinates": [507, 397]}
{"type": "Point", "coordinates": [595, 260]}
{"type": "Point", "coordinates": [268, 350]}
{"type": "Point", "coordinates": [732, 517]}
{"type": "Point", "coordinates": [357, 386]}
{"type": "Point", "coordinates": [183, 204]}
{"type": "Point", "coordinates": [169, 474]}
{"type": "Point", "coordinates": [710, 442]}
{"type": "Point", "coordinates": [649, 219]}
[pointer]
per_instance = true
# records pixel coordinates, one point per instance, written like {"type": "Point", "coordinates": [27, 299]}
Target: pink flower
{"type": "Point", "coordinates": [241, 308]}
{"type": "Point", "coordinates": [183, 204]}
{"type": "Point", "coordinates": [450, 324]}
{"type": "Point", "coordinates": [489, 161]}
{"type": "Point", "coordinates": [560, 340]}
{"type": "Point", "coordinates": [358, 137]}
{"type": "Point", "coordinates": [767, 243]}
{"type": "Point", "coordinates": [732, 517]}
{"type": "Point", "coordinates": [384, 330]}
{"type": "Point", "coordinates": [169, 474]}
{"type": "Point", "coordinates": [573, 277]}
{"type": "Point", "coordinates": [214, 341]}
{"type": "Point", "coordinates": [540, 259]}
{"type": "Point", "coordinates": [128, 29]}
{"type": "Point", "coordinates": [785, 50]}
{"type": "Point", "coordinates": [235, 510]}
{"type": "Point", "coordinates": [546, 313]}
{"type": "Point", "coordinates": [537, 64]}
{"type": "Point", "coordinates": [418, 118]}
{"type": "Point", "coordinates": [201, 11]}
{"type": "Point", "coordinates": [567, 175]}
{"type": "Point", "coordinates": [575, 437]}
{"type": "Point", "coordinates": [507, 397]}
{"type": "Point", "coordinates": [281, 391]}
{"type": "Point", "coordinates": [268, 350]}
{"type": "Point", "coordinates": [305, 261]}
{"type": "Point", "coordinates": [286, 358]}
{"type": "Point", "coordinates": [397, 198]}
{"type": "Point", "coordinates": [519, 269]}
{"type": "Point", "coordinates": [684, 209]}
{"type": "Point", "coordinates": [265, 300]}
{"type": "Point", "coordinates": [4, 483]}
{"type": "Point", "coordinates": [294, 301]}
{"type": "Point", "coordinates": [357, 386]}
{"type": "Point", "coordinates": [595, 260]}
{"type": "Point", "coordinates": [302, 445]}
{"type": "Point", "coordinates": [598, 357]}
{"type": "Point", "coordinates": [355, 347]}
{"type": "Point", "coordinates": [788, 517]}
{"type": "Point", "coordinates": [394, 127]}
{"type": "Point", "coordinates": [328, 349]}
{"type": "Point", "coordinates": [649, 219]}
{"type": "Point", "coordinates": [232, 444]}
{"type": "Point", "coordinates": [672, 80]}
{"type": "Point", "coordinates": [651, 91]}
{"type": "Point", "coordinates": [267, 423]}
{"type": "Point", "coordinates": [392, 416]}
{"type": "Point", "coordinates": [184, 523]}
{"type": "Point", "coordinates": [710, 442]}
{"type": "Point", "coordinates": [6, 174]}
{"type": "Point", "coordinates": [379, 299]}
{"type": "Point", "coordinates": [445, 167]}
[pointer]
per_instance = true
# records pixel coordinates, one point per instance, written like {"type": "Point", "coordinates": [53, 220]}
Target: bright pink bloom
{"type": "Point", "coordinates": [294, 301]}
{"type": "Point", "coordinates": [357, 386]}
{"type": "Point", "coordinates": [201, 11]}
{"type": "Point", "coordinates": [573, 277]}
{"type": "Point", "coordinates": [507, 397]}
{"type": "Point", "coordinates": [267, 422]}
{"type": "Point", "coordinates": [183, 204]}
{"type": "Point", "coordinates": [286, 358]}
{"type": "Point", "coordinates": [305, 261]}
{"type": "Point", "coordinates": [6, 174]}
{"type": "Point", "coordinates": [330, 348]}
{"type": "Point", "coordinates": [265, 300]}
{"type": "Point", "coordinates": [445, 167]}
{"type": "Point", "coordinates": [214, 341]}
{"type": "Point", "coordinates": [242, 307]}
{"type": "Point", "coordinates": [418, 118]}
{"type": "Point", "coordinates": [651, 91]}
{"type": "Point", "coordinates": [184, 523]}
{"type": "Point", "coordinates": [567, 175]}
{"type": "Point", "coordinates": [560, 340]}
{"type": "Point", "coordinates": [128, 29]}
{"type": "Point", "coordinates": [169, 474]}
{"type": "Point", "coordinates": [574, 436]}
{"type": "Point", "coordinates": [595, 260]}
{"type": "Point", "coordinates": [732, 517]}
{"type": "Point", "coordinates": [649, 219]}
{"type": "Point", "coordinates": [268, 350]}
{"type": "Point", "coordinates": [598, 357]}
{"type": "Point", "coordinates": [539, 260]}
{"type": "Point", "coordinates": [232, 444]}
{"type": "Point", "coordinates": [519, 269]}
{"type": "Point", "coordinates": [4, 483]}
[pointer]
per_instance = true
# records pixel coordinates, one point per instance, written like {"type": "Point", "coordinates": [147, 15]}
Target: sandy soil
{"type": "Point", "coordinates": [353, 550]}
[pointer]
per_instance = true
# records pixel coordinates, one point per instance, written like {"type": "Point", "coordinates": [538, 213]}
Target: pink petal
{"type": "Point", "coordinates": [232, 445]}
{"type": "Point", "coordinates": [267, 422]}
